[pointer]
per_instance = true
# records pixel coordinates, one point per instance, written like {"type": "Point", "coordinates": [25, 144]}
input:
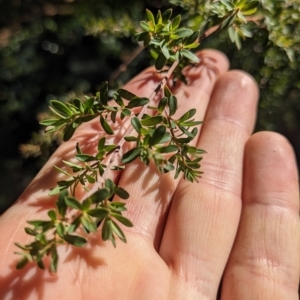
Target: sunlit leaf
{"type": "Point", "coordinates": [131, 155]}
{"type": "Point", "coordinates": [75, 240]}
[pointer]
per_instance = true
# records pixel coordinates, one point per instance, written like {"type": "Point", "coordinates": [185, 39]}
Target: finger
{"type": "Point", "coordinates": [264, 263]}
{"type": "Point", "coordinates": [204, 216]}
{"type": "Point", "coordinates": [151, 192]}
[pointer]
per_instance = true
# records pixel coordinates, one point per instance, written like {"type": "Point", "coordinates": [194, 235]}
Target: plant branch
{"type": "Point", "coordinates": [115, 154]}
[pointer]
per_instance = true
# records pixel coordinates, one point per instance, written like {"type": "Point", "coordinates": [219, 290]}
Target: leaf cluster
{"type": "Point", "coordinates": [86, 217]}
{"type": "Point", "coordinates": [167, 41]}
{"type": "Point", "coordinates": [165, 139]}
{"type": "Point", "coordinates": [232, 14]}
{"type": "Point", "coordinates": [70, 115]}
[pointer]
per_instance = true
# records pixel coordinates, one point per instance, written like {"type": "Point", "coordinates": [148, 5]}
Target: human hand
{"type": "Point", "coordinates": [239, 223]}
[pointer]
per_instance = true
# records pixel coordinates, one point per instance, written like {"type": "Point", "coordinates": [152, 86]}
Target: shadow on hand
{"type": "Point", "coordinates": [25, 283]}
{"type": "Point", "coordinates": [31, 282]}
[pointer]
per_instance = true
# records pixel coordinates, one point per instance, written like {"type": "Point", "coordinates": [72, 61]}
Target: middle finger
{"type": "Point", "coordinates": [204, 217]}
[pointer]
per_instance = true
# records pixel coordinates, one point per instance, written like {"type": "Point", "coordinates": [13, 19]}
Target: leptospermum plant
{"type": "Point", "coordinates": [154, 135]}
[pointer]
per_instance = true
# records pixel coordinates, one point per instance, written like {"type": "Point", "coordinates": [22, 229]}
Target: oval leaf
{"type": "Point", "coordinates": [126, 94]}
{"type": "Point", "coordinates": [136, 124]}
{"type": "Point", "coordinates": [131, 155]}
{"type": "Point", "coordinates": [106, 126]}
{"type": "Point", "coordinates": [160, 61]}
{"type": "Point", "coordinates": [136, 102]}
{"type": "Point", "coordinates": [75, 240]}
{"type": "Point", "coordinates": [99, 213]}
{"type": "Point", "coordinates": [61, 108]}
{"type": "Point", "coordinates": [158, 135]}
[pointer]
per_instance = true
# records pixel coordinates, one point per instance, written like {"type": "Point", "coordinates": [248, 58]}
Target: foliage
{"type": "Point", "coordinates": [41, 46]}
{"type": "Point", "coordinates": [159, 137]}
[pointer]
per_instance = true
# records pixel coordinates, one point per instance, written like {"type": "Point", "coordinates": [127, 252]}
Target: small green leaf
{"type": "Point", "coordinates": [135, 122]}
{"type": "Point", "coordinates": [126, 94]}
{"type": "Point", "coordinates": [227, 22]}
{"type": "Point", "coordinates": [75, 168]}
{"type": "Point", "coordinates": [118, 206]}
{"type": "Point", "coordinates": [49, 122]}
{"type": "Point", "coordinates": [131, 155]}
{"type": "Point", "coordinates": [162, 104]}
{"type": "Point", "coordinates": [122, 219]}
{"type": "Point", "coordinates": [172, 105]}
{"type": "Point", "coordinates": [160, 61]}
{"type": "Point", "coordinates": [126, 112]}
{"type": "Point", "coordinates": [131, 139]}
{"type": "Point", "coordinates": [250, 8]}
{"type": "Point", "coordinates": [99, 213]}
{"type": "Point", "coordinates": [86, 204]}
{"type": "Point", "coordinates": [105, 126]}
{"type": "Point", "coordinates": [88, 104]}
{"type": "Point", "coordinates": [106, 230]}
{"type": "Point", "coordinates": [54, 259]}
{"type": "Point", "coordinates": [143, 36]}
{"type": "Point", "coordinates": [26, 247]}
{"type": "Point", "coordinates": [78, 149]}
{"type": "Point", "coordinates": [118, 231]}
{"type": "Point", "coordinates": [150, 16]}
{"type": "Point", "coordinates": [166, 138]}
{"type": "Point", "coordinates": [90, 179]}
{"type": "Point", "coordinates": [136, 102]}
{"type": "Point", "coordinates": [62, 171]}
{"type": "Point", "coordinates": [152, 121]}
{"type": "Point", "coordinates": [52, 215]}
{"type": "Point", "coordinates": [145, 26]}
{"type": "Point", "coordinates": [30, 231]}
{"type": "Point", "coordinates": [61, 204]}
{"type": "Point", "coordinates": [122, 193]}
{"type": "Point", "coordinates": [189, 55]}
{"type": "Point", "coordinates": [68, 132]}
{"type": "Point", "coordinates": [176, 22]}
{"type": "Point", "coordinates": [191, 46]}
{"type": "Point", "coordinates": [109, 184]}
{"type": "Point", "coordinates": [167, 149]}
{"type": "Point", "coordinates": [22, 262]}
{"type": "Point", "coordinates": [157, 135]}
{"type": "Point", "coordinates": [61, 108]}
{"type": "Point", "coordinates": [159, 17]}
{"type": "Point", "coordinates": [73, 202]}
{"type": "Point", "coordinates": [40, 264]}
{"type": "Point", "coordinates": [75, 240]}
{"type": "Point", "coordinates": [183, 32]}
{"type": "Point", "coordinates": [100, 195]}
{"type": "Point", "coordinates": [60, 229]}
{"type": "Point", "coordinates": [165, 51]}
{"type": "Point", "coordinates": [79, 104]}
{"type": "Point", "coordinates": [55, 191]}
{"type": "Point", "coordinates": [75, 224]}
{"type": "Point", "coordinates": [189, 114]}
{"type": "Point", "coordinates": [167, 91]}
{"type": "Point", "coordinates": [192, 38]}
{"type": "Point", "coordinates": [85, 157]}
{"type": "Point", "coordinates": [88, 223]}
{"type": "Point", "coordinates": [41, 224]}
{"type": "Point", "coordinates": [166, 15]}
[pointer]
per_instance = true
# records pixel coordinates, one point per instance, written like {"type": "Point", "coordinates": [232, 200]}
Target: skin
{"type": "Point", "coordinates": [240, 223]}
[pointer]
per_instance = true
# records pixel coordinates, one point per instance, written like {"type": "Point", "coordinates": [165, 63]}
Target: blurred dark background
{"type": "Point", "coordinates": [59, 49]}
